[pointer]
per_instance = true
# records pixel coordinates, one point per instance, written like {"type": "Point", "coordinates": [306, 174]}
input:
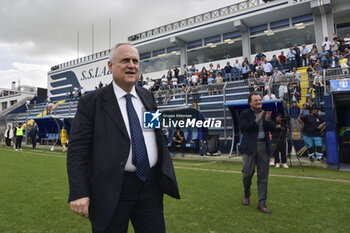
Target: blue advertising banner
{"type": "Point", "coordinates": [340, 85]}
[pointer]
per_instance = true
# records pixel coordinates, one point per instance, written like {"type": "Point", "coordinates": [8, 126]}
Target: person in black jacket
{"type": "Point", "coordinates": [256, 148]}
{"type": "Point", "coordinates": [33, 134]}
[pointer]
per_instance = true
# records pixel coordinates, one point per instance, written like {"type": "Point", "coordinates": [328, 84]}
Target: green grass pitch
{"type": "Point", "coordinates": [34, 190]}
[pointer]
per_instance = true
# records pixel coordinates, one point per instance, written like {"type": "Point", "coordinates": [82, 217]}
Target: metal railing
{"type": "Point", "coordinates": [224, 11]}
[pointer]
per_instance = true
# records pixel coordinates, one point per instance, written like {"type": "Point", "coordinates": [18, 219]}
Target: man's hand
{"type": "Point", "coordinates": [260, 115]}
{"type": "Point", "coordinates": [268, 116]}
{"type": "Point", "coordinates": [81, 206]}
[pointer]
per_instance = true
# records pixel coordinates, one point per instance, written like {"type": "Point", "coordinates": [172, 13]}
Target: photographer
{"type": "Point", "coordinates": [279, 138]}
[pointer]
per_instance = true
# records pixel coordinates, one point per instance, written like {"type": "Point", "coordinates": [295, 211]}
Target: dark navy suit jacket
{"type": "Point", "coordinates": [250, 129]}
{"type": "Point", "coordinates": [99, 148]}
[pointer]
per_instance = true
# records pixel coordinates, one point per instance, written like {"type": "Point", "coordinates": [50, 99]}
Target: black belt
{"type": "Point", "coordinates": [261, 140]}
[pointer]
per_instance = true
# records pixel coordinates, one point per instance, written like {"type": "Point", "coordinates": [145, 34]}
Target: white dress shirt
{"type": "Point", "coordinates": [148, 134]}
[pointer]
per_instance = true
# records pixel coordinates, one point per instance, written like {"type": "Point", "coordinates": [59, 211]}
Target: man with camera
{"type": "Point", "coordinates": [279, 138]}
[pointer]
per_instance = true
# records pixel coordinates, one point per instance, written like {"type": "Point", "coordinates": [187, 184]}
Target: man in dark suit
{"type": "Point", "coordinates": [116, 170]}
{"type": "Point", "coordinates": [256, 148]}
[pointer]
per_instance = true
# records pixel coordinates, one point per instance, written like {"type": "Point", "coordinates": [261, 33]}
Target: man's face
{"type": "Point", "coordinates": [256, 102]}
{"type": "Point", "coordinates": [125, 66]}
{"type": "Point", "coordinates": [314, 112]}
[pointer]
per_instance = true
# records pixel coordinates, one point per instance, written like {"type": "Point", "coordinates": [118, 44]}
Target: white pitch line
{"type": "Point", "coordinates": [37, 153]}
{"type": "Point", "coordinates": [276, 175]}
{"type": "Point", "coordinates": [199, 164]}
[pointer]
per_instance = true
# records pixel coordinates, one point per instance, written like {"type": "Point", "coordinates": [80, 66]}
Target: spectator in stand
{"type": "Point", "coordinates": [313, 57]}
{"type": "Point", "coordinates": [318, 66]}
{"type": "Point", "coordinates": [291, 56]}
{"type": "Point", "coordinates": [211, 83]}
{"type": "Point", "coordinates": [296, 75]}
{"type": "Point", "coordinates": [169, 75]}
{"type": "Point", "coordinates": [176, 72]}
{"type": "Point", "coordinates": [276, 79]}
{"type": "Point", "coordinates": [310, 71]}
{"type": "Point", "coordinates": [174, 82]}
{"type": "Point", "coordinates": [71, 96]}
{"type": "Point", "coordinates": [256, 62]}
{"type": "Point", "coordinates": [147, 84]}
{"type": "Point", "coordinates": [269, 95]}
{"type": "Point", "coordinates": [313, 126]}
{"type": "Point", "coordinates": [76, 93]}
{"type": "Point", "coordinates": [334, 60]}
{"type": "Point", "coordinates": [347, 41]}
{"type": "Point", "coordinates": [294, 112]}
{"type": "Point", "coordinates": [185, 69]}
{"type": "Point", "coordinates": [304, 111]}
{"type": "Point", "coordinates": [327, 45]}
{"type": "Point", "coordinates": [343, 63]}
{"type": "Point", "coordinates": [8, 135]}
{"type": "Point", "coordinates": [267, 67]}
{"type": "Point", "coordinates": [314, 48]}
{"type": "Point", "coordinates": [193, 68]}
{"type": "Point", "coordinates": [282, 60]}
{"type": "Point", "coordinates": [218, 70]}
{"type": "Point", "coordinates": [100, 85]}
{"type": "Point", "coordinates": [260, 55]}
{"type": "Point", "coordinates": [335, 45]}
{"type": "Point", "coordinates": [237, 68]}
{"type": "Point", "coordinates": [228, 72]}
{"type": "Point", "coordinates": [82, 91]}
{"type": "Point", "coordinates": [274, 61]}
{"type": "Point", "coordinates": [194, 93]}
{"type": "Point", "coordinates": [304, 55]}
{"type": "Point", "coordinates": [211, 69]}
{"type": "Point", "coordinates": [346, 53]}
{"type": "Point", "coordinates": [283, 90]}
{"type": "Point", "coordinates": [323, 56]}
{"type": "Point", "coordinates": [204, 76]}
{"type": "Point", "coordinates": [168, 94]}
{"type": "Point", "coordinates": [297, 55]}
{"type": "Point", "coordinates": [246, 61]}
{"type": "Point", "coordinates": [245, 70]}
{"type": "Point", "coordinates": [194, 79]}
{"type": "Point", "coordinates": [219, 83]}
{"type": "Point", "coordinates": [164, 81]}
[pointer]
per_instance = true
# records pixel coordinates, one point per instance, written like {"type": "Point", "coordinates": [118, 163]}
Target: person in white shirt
{"type": "Point", "coordinates": [267, 67]}
{"type": "Point", "coordinates": [269, 95]}
{"type": "Point", "coordinates": [305, 55]}
{"type": "Point", "coordinates": [347, 40]}
{"type": "Point", "coordinates": [164, 82]}
{"type": "Point", "coordinates": [174, 81]}
{"type": "Point", "coordinates": [326, 44]}
{"type": "Point", "coordinates": [194, 79]}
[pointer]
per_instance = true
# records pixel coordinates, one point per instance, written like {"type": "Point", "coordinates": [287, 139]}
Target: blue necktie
{"type": "Point", "coordinates": [139, 150]}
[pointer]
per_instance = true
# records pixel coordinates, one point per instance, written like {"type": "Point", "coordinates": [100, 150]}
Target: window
{"type": "Point", "coordinates": [283, 39]}
{"type": "Point", "coordinates": [194, 44]}
{"type": "Point", "coordinates": [213, 39]}
{"type": "Point", "coordinates": [258, 29]}
{"type": "Point", "coordinates": [159, 63]}
{"type": "Point", "coordinates": [220, 52]}
{"type": "Point", "coordinates": [279, 24]}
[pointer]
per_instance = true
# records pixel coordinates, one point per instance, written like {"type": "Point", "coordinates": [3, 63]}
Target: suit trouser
{"type": "Point", "coordinates": [260, 158]}
{"type": "Point", "coordinates": [142, 203]}
{"type": "Point", "coordinates": [19, 142]}
{"type": "Point", "coordinates": [33, 142]}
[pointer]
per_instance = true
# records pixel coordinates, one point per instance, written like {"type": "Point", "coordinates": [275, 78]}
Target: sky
{"type": "Point", "coordinates": [38, 34]}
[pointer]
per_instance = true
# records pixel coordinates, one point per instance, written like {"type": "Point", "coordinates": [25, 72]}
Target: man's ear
{"type": "Point", "coordinates": [110, 66]}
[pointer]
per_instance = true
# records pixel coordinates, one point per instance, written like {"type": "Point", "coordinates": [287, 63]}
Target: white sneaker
{"type": "Point", "coordinates": [20, 149]}
{"type": "Point", "coordinates": [16, 149]}
{"type": "Point", "coordinates": [272, 163]}
{"type": "Point", "coordinates": [285, 165]}
{"type": "Point", "coordinates": [278, 165]}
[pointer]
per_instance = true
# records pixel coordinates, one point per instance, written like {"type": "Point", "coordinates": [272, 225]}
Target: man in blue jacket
{"type": "Point", "coordinates": [256, 149]}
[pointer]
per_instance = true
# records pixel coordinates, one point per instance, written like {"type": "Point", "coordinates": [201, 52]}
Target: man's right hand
{"type": "Point", "coordinates": [81, 206]}
{"type": "Point", "coordinates": [261, 115]}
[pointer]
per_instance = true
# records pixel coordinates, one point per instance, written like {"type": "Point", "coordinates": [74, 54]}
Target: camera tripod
{"type": "Point", "coordinates": [285, 135]}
